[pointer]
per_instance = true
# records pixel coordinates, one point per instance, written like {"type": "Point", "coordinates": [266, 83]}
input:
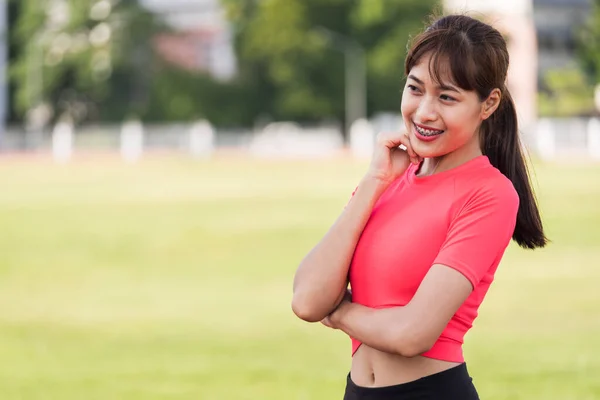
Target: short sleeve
{"type": "Point", "coordinates": [480, 232]}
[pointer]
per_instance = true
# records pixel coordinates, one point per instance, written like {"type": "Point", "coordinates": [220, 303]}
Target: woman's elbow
{"type": "Point", "coordinates": [305, 310]}
{"type": "Point", "coordinates": [413, 350]}
{"type": "Point", "coordinates": [412, 344]}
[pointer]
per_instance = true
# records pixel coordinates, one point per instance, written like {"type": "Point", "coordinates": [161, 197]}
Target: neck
{"type": "Point", "coordinates": [448, 161]}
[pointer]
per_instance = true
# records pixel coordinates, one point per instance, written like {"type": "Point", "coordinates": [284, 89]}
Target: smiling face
{"type": "Point", "coordinates": [440, 117]}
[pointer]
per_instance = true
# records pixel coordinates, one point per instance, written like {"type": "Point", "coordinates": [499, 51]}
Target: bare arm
{"type": "Point", "coordinates": [477, 236]}
{"type": "Point", "coordinates": [410, 330]}
{"type": "Point", "coordinates": [322, 277]}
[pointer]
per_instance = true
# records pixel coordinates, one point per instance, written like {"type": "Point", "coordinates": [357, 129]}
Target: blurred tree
{"type": "Point", "coordinates": [180, 95]}
{"type": "Point", "coordinates": [589, 43]}
{"type": "Point", "coordinates": [565, 92]}
{"type": "Point", "coordinates": [94, 59]}
{"type": "Point", "coordinates": [88, 58]}
{"type": "Point", "coordinates": [280, 43]}
{"type": "Point", "coordinates": [14, 51]}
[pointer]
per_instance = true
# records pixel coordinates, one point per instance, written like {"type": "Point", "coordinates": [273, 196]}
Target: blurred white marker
{"type": "Point", "coordinates": [546, 143]}
{"type": "Point", "coordinates": [62, 141]}
{"type": "Point", "coordinates": [132, 140]}
{"type": "Point", "coordinates": [201, 139]}
{"type": "Point", "coordinates": [593, 136]}
{"type": "Point", "coordinates": [362, 139]}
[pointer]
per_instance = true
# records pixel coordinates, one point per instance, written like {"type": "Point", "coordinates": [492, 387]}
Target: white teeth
{"type": "Point", "coordinates": [427, 132]}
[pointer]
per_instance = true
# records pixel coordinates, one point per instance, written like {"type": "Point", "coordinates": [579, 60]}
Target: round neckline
{"type": "Point", "coordinates": [474, 162]}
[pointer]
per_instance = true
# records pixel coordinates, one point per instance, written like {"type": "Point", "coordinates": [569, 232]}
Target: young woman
{"type": "Point", "coordinates": [423, 233]}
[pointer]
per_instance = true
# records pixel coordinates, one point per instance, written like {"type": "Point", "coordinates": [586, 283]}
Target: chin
{"type": "Point", "coordinates": [426, 150]}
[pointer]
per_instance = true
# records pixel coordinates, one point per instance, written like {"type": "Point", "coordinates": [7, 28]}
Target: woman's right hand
{"type": "Point", "coordinates": [389, 160]}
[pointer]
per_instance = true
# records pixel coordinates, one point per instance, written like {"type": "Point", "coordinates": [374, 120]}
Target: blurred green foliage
{"type": "Point", "coordinates": [279, 43]}
{"type": "Point", "coordinates": [286, 69]}
{"type": "Point", "coordinates": [589, 43]}
{"type": "Point", "coordinates": [569, 91]}
{"type": "Point", "coordinates": [89, 58]}
{"type": "Point", "coordinates": [566, 92]}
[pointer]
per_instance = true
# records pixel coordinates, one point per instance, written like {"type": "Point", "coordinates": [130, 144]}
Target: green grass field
{"type": "Point", "coordinates": [171, 279]}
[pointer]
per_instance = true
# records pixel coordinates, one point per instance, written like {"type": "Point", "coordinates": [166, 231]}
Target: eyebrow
{"type": "Point", "coordinates": [443, 87]}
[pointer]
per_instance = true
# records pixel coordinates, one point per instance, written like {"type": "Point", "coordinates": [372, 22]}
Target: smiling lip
{"type": "Point", "coordinates": [426, 138]}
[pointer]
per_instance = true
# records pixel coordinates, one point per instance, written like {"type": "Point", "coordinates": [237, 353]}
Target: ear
{"type": "Point", "coordinates": [491, 104]}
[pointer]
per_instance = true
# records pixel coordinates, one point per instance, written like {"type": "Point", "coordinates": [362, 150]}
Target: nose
{"type": "Point", "coordinates": [426, 110]}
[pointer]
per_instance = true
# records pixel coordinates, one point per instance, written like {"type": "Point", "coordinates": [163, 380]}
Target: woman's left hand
{"type": "Point", "coordinates": [332, 320]}
{"type": "Point", "coordinates": [327, 322]}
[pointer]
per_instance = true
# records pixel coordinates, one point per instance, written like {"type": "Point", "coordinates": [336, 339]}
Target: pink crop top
{"type": "Point", "coordinates": [463, 218]}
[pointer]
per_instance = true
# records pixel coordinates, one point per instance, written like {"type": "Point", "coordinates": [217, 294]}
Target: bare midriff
{"type": "Point", "coordinates": [374, 368]}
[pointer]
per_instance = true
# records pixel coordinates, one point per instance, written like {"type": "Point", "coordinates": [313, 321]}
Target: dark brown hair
{"type": "Point", "coordinates": [477, 58]}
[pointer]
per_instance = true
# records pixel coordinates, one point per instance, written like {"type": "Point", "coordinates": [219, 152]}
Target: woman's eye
{"type": "Point", "coordinates": [447, 98]}
{"type": "Point", "coordinates": [412, 88]}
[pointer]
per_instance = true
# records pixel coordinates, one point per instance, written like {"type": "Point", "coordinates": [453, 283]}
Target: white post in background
{"type": "Point", "coordinates": [545, 140]}
{"type": "Point", "coordinates": [62, 140]}
{"type": "Point", "coordinates": [202, 139]}
{"type": "Point", "coordinates": [593, 131]}
{"type": "Point", "coordinates": [362, 139]}
{"type": "Point", "coordinates": [132, 140]}
{"type": "Point", "coordinates": [593, 136]}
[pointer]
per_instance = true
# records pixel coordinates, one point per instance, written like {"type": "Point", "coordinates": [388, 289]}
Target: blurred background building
{"type": "Point", "coordinates": [202, 40]}
{"type": "Point", "coordinates": [555, 23]}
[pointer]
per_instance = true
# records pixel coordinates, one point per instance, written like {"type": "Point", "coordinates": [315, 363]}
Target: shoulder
{"type": "Point", "coordinates": [485, 187]}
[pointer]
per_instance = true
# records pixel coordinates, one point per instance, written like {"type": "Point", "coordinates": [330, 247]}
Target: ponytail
{"type": "Point", "coordinates": [454, 39]}
{"type": "Point", "coordinates": [501, 144]}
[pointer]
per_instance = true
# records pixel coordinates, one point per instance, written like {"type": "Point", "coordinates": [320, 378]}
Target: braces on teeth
{"type": "Point", "coordinates": [427, 132]}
